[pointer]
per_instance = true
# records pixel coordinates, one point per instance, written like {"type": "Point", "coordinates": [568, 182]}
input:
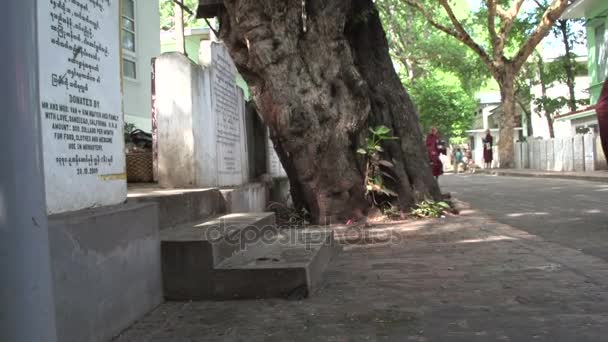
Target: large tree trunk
{"type": "Point", "coordinates": [563, 27]}
{"type": "Point", "coordinates": [543, 93]}
{"type": "Point", "coordinates": [320, 75]}
{"type": "Point", "coordinates": [506, 146]}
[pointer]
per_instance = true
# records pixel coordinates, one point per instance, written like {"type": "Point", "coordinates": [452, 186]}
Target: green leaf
{"type": "Point", "coordinates": [443, 204]}
{"type": "Point", "coordinates": [382, 130]}
{"type": "Point", "coordinates": [386, 163]}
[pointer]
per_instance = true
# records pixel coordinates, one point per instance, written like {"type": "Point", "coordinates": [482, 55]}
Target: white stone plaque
{"type": "Point", "coordinates": [275, 168]}
{"type": "Point", "coordinates": [81, 103]}
{"type": "Point", "coordinates": [228, 105]}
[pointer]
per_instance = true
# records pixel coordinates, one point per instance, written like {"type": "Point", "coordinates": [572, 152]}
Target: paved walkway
{"type": "Point", "coordinates": [570, 212]}
{"type": "Point", "coordinates": [466, 278]}
{"type": "Point", "coordinates": [595, 176]}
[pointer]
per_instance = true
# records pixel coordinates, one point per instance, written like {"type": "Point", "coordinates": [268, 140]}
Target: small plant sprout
{"type": "Point", "coordinates": [430, 208]}
{"type": "Point", "coordinates": [374, 175]}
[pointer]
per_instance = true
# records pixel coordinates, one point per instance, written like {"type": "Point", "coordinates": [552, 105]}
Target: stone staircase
{"type": "Point", "coordinates": [208, 254]}
{"type": "Point", "coordinates": [242, 256]}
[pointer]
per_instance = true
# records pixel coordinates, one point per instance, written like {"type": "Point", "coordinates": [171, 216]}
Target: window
{"type": "Point", "coordinates": [601, 51]}
{"type": "Point", "coordinates": [129, 66]}
{"type": "Point", "coordinates": [128, 25]}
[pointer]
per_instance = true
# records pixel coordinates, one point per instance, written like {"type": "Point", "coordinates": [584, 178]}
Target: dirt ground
{"type": "Point", "coordinates": [463, 278]}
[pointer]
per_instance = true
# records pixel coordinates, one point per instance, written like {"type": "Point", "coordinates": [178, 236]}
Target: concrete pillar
{"type": "Point", "coordinates": [27, 312]}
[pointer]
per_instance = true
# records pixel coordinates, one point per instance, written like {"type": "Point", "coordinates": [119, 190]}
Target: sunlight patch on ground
{"type": "Point", "coordinates": [537, 213]}
{"type": "Point", "coordinates": [488, 239]}
{"type": "Point", "coordinates": [593, 211]}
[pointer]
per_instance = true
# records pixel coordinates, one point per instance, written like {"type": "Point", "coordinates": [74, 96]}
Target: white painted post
{"type": "Point", "coordinates": [518, 155]}
{"type": "Point", "coordinates": [578, 152]}
{"type": "Point", "coordinates": [26, 293]}
{"type": "Point", "coordinates": [559, 155]}
{"type": "Point", "coordinates": [590, 151]}
{"type": "Point", "coordinates": [600, 161]}
{"type": "Point", "coordinates": [542, 155]}
{"type": "Point", "coordinates": [550, 154]}
{"type": "Point", "coordinates": [568, 158]}
{"type": "Point", "coordinates": [525, 153]}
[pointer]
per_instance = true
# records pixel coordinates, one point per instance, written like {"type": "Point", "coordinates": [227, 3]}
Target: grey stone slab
{"type": "Point", "coordinates": [291, 265]}
{"type": "Point", "coordinates": [190, 251]}
{"type": "Point", "coordinates": [250, 197]}
{"type": "Point", "coordinates": [106, 269]}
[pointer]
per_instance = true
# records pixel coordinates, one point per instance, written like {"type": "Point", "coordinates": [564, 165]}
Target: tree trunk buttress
{"type": "Point", "coordinates": [506, 146]}
{"type": "Point", "coordinates": [318, 94]}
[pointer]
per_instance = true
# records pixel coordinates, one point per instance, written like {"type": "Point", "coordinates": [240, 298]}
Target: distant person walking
{"type": "Point", "coordinates": [459, 160]}
{"type": "Point", "coordinates": [434, 149]}
{"type": "Point", "coordinates": [488, 142]}
{"type": "Point", "coordinates": [602, 116]}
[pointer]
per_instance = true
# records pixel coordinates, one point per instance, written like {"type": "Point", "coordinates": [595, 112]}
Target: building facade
{"type": "Point", "coordinates": [487, 116]}
{"type": "Point", "coordinates": [140, 22]}
{"type": "Point", "coordinates": [595, 13]}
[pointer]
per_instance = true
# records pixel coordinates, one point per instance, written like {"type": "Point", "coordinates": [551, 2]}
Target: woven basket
{"type": "Point", "coordinates": [139, 167]}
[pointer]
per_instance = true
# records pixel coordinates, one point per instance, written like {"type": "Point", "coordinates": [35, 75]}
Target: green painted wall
{"type": "Point", "coordinates": [191, 42]}
{"type": "Point", "coordinates": [596, 16]}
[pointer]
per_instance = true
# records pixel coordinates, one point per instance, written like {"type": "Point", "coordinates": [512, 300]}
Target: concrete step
{"type": "Point", "coordinates": [190, 251]}
{"type": "Point", "coordinates": [180, 206]}
{"type": "Point", "coordinates": [287, 265]}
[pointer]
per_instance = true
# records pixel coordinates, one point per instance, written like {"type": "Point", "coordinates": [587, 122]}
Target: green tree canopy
{"type": "Point", "coordinates": [442, 103]}
{"type": "Point", "coordinates": [167, 21]}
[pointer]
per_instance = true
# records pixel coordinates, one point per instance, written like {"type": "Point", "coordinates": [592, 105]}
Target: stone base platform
{"type": "Point", "coordinates": [185, 205]}
{"type": "Point", "coordinates": [106, 269]}
{"type": "Point", "coordinates": [242, 256]}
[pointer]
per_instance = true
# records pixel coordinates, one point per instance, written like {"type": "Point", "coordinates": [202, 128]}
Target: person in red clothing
{"type": "Point", "coordinates": [434, 148]}
{"type": "Point", "coordinates": [602, 116]}
{"type": "Point", "coordinates": [488, 142]}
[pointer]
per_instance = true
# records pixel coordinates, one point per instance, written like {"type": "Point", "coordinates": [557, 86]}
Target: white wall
{"type": "Point", "coordinates": [137, 97]}
{"type": "Point", "coordinates": [575, 153]}
{"type": "Point", "coordinates": [561, 128]}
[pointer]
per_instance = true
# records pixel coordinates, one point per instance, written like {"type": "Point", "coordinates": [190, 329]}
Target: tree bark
{"type": "Point", "coordinates": [318, 90]}
{"type": "Point", "coordinates": [543, 92]}
{"type": "Point", "coordinates": [506, 148]}
{"type": "Point", "coordinates": [563, 27]}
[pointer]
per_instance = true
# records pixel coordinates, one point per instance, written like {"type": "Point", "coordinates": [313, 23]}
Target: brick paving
{"type": "Point", "coordinates": [571, 212]}
{"type": "Point", "coordinates": [466, 278]}
{"type": "Point", "coordinates": [594, 176]}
